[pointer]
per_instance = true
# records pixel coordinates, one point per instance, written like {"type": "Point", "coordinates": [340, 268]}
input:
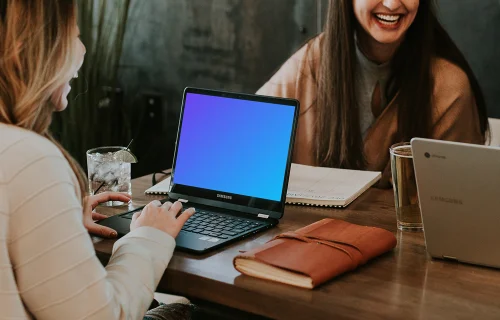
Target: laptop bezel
{"type": "Point", "coordinates": [263, 208]}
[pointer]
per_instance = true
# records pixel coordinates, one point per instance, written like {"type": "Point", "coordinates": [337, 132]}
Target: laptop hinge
{"type": "Point", "coordinates": [265, 216]}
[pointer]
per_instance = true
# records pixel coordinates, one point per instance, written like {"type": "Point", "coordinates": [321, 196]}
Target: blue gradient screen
{"type": "Point", "coordinates": [234, 146]}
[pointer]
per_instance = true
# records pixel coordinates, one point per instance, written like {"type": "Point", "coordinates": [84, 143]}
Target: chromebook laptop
{"type": "Point", "coordinates": [232, 162]}
{"type": "Point", "coordinates": [458, 187]}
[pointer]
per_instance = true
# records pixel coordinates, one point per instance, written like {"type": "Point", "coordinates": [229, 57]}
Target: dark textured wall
{"type": "Point", "coordinates": [475, 26]}
{"type": "Point", "coordinates": [230, 44]}
{"type": "Point", "coordinates": [221, 44]}
{"type": "Point", "coordinates": [238, 44]}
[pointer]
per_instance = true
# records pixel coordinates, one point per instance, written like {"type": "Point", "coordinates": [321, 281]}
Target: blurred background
{"type": "Point", "coordinates": [141, 54]}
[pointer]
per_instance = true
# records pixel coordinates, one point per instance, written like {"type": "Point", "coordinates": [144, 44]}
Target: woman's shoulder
{"type": "Point", "coordinates": [20, 149]}
{"type": "Point", "coordinates": [16, 137]}
{"type": "Point", "coordinates": [307, 58]}
{"type": "Point", "coordinates": [300, 67]}
{"type": "Point", "coordinates": [449, 78]}
{"type": "Point", "coordinates": [311, 50]}
{"type": "Point", "coordinates": [455, 113]}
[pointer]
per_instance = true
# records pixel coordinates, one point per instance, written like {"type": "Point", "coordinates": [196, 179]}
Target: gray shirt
{"type": "Point", "coordinates": [368, 74]}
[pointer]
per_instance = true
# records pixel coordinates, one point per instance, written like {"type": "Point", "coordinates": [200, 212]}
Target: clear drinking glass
{"type": "Point", "coordinates": [405, 188]}
{"type": "Point", "coordinates": [106, 172]}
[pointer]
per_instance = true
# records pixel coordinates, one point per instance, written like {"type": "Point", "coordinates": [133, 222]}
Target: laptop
{"type": "Point", "coordinates": [231, 163]}
{"type": "Point", "coordinates": [458, 187]}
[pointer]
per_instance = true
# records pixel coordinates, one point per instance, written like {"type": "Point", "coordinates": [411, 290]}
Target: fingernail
{"type": "Point", "coordinates": [113, 234]}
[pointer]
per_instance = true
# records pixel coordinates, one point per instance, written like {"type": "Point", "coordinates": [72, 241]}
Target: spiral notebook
{"type": "Point", "coordinates": [314, 186]}
{"type": "Point", "coordinates": [328, 187]}
{"type": "Point", "coordinates": [162, 187]}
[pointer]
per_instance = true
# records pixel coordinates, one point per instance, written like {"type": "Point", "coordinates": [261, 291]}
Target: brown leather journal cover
{"type": "Point", "coordinates": [320, 252]}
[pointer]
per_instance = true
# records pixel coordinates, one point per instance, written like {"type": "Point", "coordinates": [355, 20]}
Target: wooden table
{"type": "Point", "coordinates": [405, 283]}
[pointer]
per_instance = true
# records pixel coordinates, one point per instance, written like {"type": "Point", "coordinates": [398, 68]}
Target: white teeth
{"type": "Point", "coordinates": [388, 19]}
{"type": "Point", "coordinates": [76, 75]}
{"type": "Point", "coordinates": [388, 23]}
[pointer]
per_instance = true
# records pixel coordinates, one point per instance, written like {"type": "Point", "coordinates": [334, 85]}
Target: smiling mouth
{"type": "Point", "coordinates": [388, 19]}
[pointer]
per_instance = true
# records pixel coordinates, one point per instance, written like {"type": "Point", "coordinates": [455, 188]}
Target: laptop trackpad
{"type": "Point", "coordinates": [121, 225]}
{"type": "Point", "coordinates": [195, 242]}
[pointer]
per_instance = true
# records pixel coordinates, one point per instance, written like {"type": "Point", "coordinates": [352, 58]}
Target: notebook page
{"type": "Point", "coordinates": [318, 183]}
{"type": "Point", "coordinates": [162, 187]}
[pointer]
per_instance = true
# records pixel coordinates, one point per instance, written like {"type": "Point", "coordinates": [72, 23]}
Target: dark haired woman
{"type": "Point", "coordinates": [383, 71]}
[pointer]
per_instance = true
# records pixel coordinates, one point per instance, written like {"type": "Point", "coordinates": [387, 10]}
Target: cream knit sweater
{"type": "Point", "coordinates": [48, 266]}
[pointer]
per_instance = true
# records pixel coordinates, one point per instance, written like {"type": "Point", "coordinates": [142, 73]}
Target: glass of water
{"type": "Point", "coordinates": [405, 188]}
{"type": "Point", "coordinates": [109, 171]}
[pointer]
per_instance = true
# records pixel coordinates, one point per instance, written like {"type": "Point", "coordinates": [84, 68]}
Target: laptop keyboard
{"type": "Point", "coordinates": [213, 224]}
{"type": "Point", "coordinates": [217, 225]}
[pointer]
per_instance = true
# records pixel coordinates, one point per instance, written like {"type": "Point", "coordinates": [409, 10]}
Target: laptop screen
{"type": "Point", "coordinates": [235, 146]}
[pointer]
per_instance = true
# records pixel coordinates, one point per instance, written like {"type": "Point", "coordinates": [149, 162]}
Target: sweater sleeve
{"type": "Point", "coordinates": [57, 272]}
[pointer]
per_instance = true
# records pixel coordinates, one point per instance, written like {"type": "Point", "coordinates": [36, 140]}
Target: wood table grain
{"type": "Point", "coordinates": [405, 283]}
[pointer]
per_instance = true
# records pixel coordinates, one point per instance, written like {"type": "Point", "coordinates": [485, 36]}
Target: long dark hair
{"type": "Point", "coordinates": [338, 141]}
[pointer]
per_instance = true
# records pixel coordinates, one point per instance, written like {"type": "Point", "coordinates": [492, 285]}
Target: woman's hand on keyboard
{"type": "Point", "coordinates": [162, 217]}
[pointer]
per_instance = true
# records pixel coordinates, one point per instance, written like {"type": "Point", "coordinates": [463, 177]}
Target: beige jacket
{"type": "Point", "coordinates": [455, 114]}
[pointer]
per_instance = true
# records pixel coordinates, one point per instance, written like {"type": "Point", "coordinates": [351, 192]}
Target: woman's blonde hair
{"type": "Point", "coordinates": [36, 59]}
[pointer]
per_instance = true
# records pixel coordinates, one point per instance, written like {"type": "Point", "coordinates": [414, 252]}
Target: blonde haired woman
{"type": "Point", "coordinates": [48, 267]}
